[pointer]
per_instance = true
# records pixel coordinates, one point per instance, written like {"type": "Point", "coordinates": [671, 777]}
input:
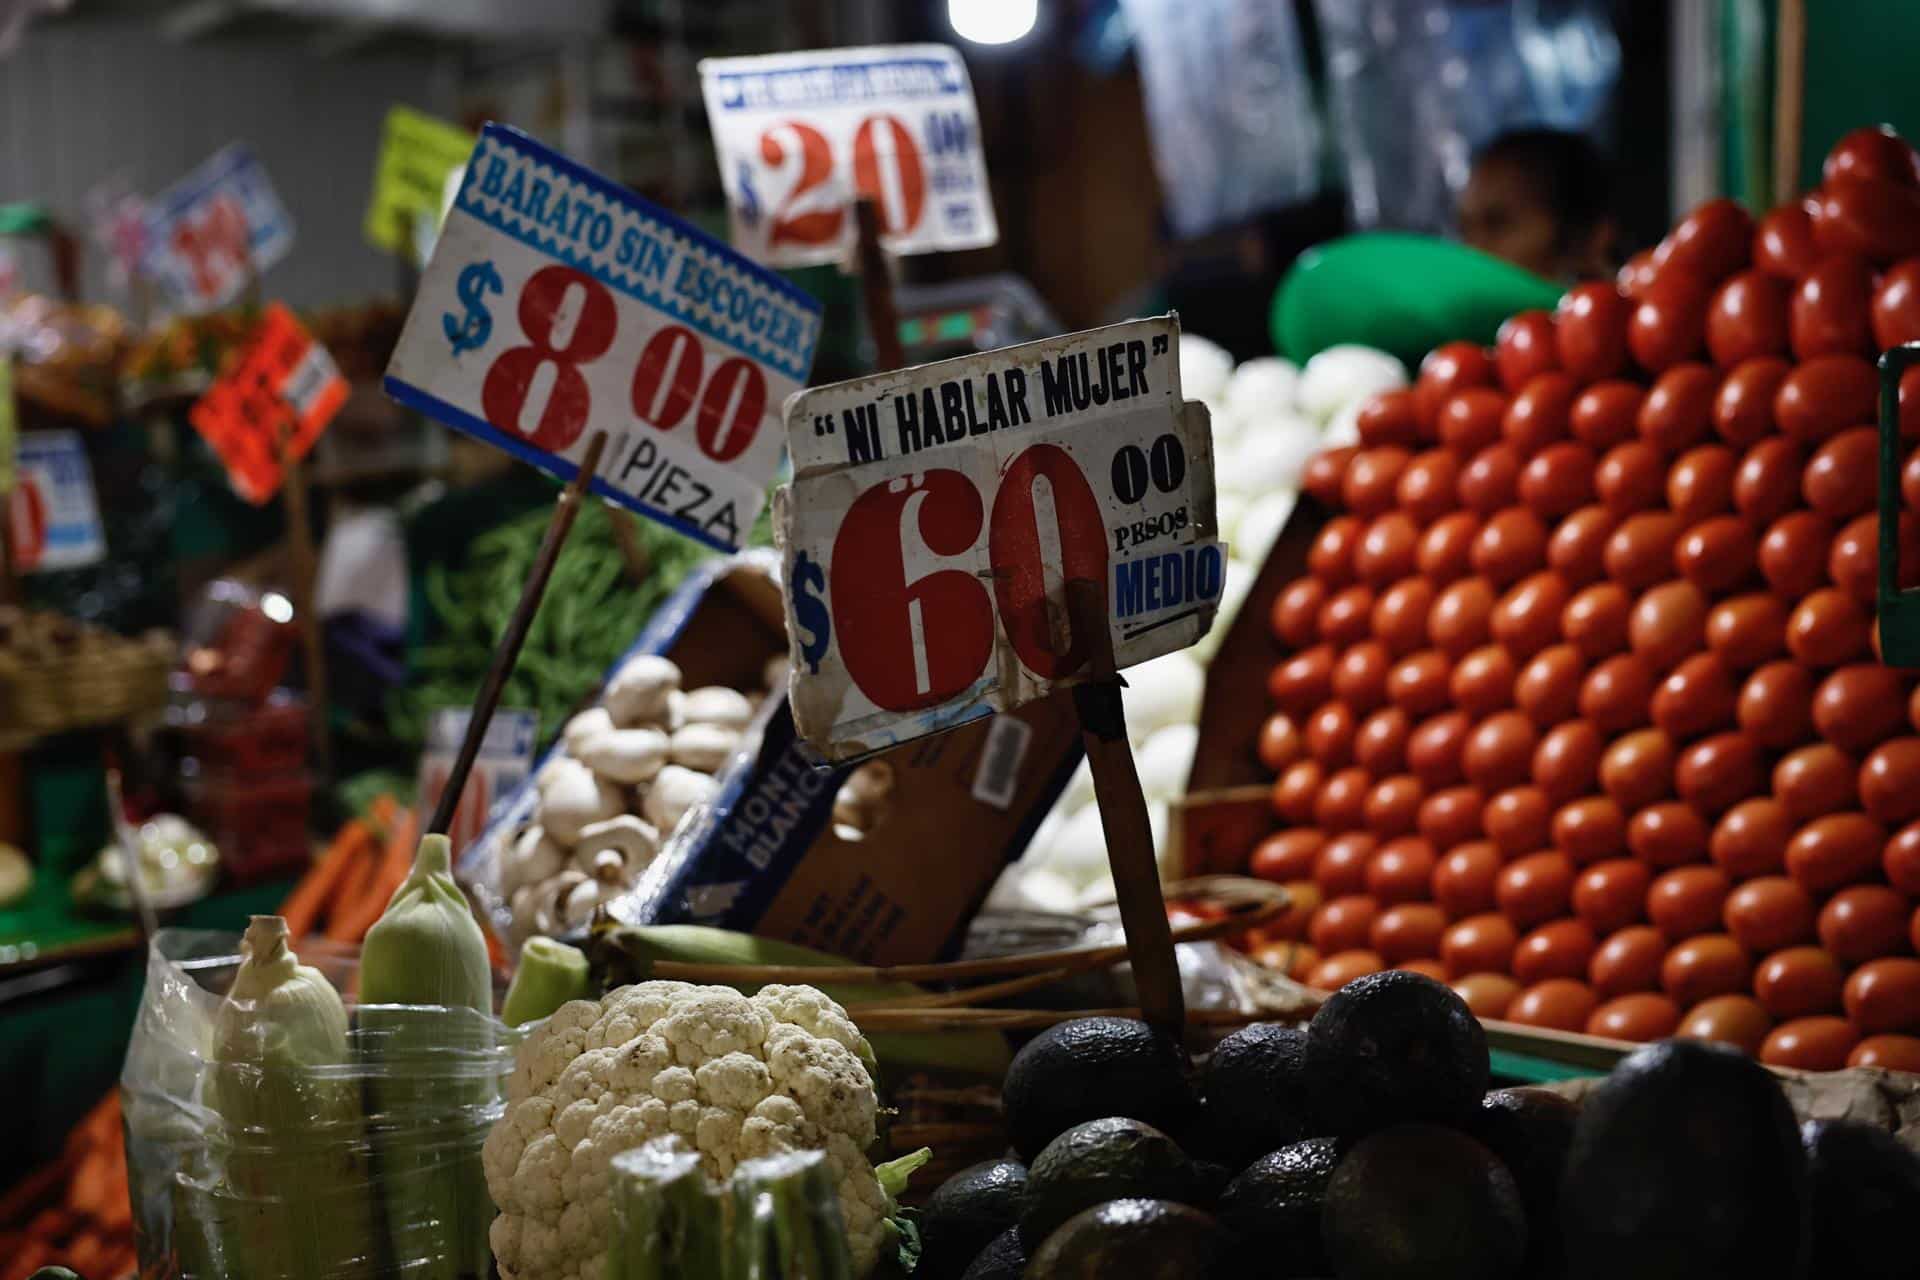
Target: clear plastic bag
{"type": "Point", "coordinates": [1229, 107]}
{"type": "Point", "coordinates": [1417, 86]}
{"type": "Point", "coordinates": [326, 1199]}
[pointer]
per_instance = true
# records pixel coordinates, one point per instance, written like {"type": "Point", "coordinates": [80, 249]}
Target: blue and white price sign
{"type": "Point", "coordinates": [558, 304]}
{"type": "Point", "coordinates": [801, 135]}
{"type": "Point", "coordinates": [208, 232]}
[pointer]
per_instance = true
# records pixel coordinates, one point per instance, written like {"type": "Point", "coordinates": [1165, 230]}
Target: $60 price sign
{"type": "Point", "coordinates": [937, 514]}
{"type": "Point", "coordinates": [558, 304]}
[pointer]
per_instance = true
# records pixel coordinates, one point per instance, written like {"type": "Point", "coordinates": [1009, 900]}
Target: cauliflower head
{"type": "Point", "coordinates": [733, 1076]}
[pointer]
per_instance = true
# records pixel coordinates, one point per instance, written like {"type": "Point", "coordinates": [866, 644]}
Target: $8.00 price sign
{"type": "Point", "coordinates": [800, 135]}
{"type": "Point", "coordinates": [937, 514]}
{"type": "Point", "coordinates": [558, 304]}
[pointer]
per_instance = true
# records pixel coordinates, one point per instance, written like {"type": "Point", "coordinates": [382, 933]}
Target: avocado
{"type": "Point", "coordinates": [1254, 1094]}
{"type": "Point", "coordinates": [1089, 1069]}
{"type": "Point", "coordinates": [1422, 1202]}
{"type": "Point", "coordinates": [1004, 1258]}
{"type": "Point", "coordinates": [966, 1212]}
{"type": "Point", "coordinates": [1866, 1200]}
{"type": "Point", "coordinates": [1139, 1239]}
{"type": "Point", "coordinates": [1394, 1048]}
{"type": "Point", "coordinates": [1098, 1161]}
{"type": "Point", "coordinates": [1685, 1163]}
{"type": "Point", "coordinates": [1273, 1210]}
{"type": "Point", "coordinates": [1530, 1131]}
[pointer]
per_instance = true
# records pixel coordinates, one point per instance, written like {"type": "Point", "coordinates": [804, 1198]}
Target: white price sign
{"type": "Point", "coordinates": [800, 135]}
{"type": "Point", "coordinates": [938, 514]}
{"type": "Point", "coordinates": [208, 232]}
{"type": "Point", "coordinates": [504, 760]}
{"type": "Point", "coordinates": [558, 304]}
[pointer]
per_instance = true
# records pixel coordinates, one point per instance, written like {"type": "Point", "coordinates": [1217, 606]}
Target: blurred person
{"type": "Point", "coordinates": [1541, 199]}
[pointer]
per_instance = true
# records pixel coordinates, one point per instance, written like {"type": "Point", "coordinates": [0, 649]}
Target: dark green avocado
{"type": "Point", "coordinates": [965, 1213]}
{"type": "Point", "coordinates": [1422, 1202]}
{"type": "Point", "coordinates": [1866, 1201]}
{"type": "Point", "coordinates": [1134, 1239]}
{"type": "Point", "coordinates": [1273, 1210]}
{"type": "Point", "coordinates": [1004, 1258]}
{"type": "Point", "coordinates": [1254, 1094]}
{"type": "Point", "coordinates": [1393, 1048]}
{"type": "Point", "coordinates": [1531, 1131]}
{"type": "Point", "coordinates": [1111, 1159]}
{"type": "Point", "coordinates": [1089, 1069]}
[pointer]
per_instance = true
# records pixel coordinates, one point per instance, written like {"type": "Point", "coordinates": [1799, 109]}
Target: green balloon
{"type": "Point", "coordinates": [1402, 293]}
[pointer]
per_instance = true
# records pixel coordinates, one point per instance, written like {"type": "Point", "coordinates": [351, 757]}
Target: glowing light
{"type": "Point", "coordinates": [992, 21]}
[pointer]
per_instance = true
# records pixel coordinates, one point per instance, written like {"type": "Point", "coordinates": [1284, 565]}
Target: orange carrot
{"type": "Point", "coordinates": [356, 917]}
{"type": "Point", "coordinates": [317, 886]}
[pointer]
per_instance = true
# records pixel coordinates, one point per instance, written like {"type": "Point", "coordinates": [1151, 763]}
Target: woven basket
{"type": "Point", "coordinates": [110, 679]}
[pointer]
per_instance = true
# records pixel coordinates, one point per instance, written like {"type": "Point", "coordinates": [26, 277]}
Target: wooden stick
{"type": "Point", "coordinates": [876, 288]}
{"type": "Point", "coordinates": [507, 651]}
{"type": "Point", "coordinates": [1123, 814]}
{"type": "Point", "coordinates": [626, 537]}
{"type": "Point", "coordinates": [312, 642]}
{"type": "Point", "coordinates": [1789, 96]}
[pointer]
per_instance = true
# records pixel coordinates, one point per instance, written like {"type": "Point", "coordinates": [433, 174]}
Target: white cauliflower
{"type": "Point", "coordinates": [733, 1076]}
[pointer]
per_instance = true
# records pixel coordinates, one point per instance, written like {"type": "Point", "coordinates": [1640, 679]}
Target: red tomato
{"type": "Point", "coordinates": [1577, 549]}
{"type": "Point", "coordinates": [1341, 804]}
{"type": "Point", "coordinates": [1566, 764]}
{"type": "Point", "coordinates": [1776, 705]}
{"type": "Point", "coordinates": [1491, 479]}
{"type": "Point", "coordinates": [1451, 817]}
{"type": "Point", "coordinates": [1303, 681]}
{"type": "Point", "coordinates": [1748, 318]}
{"type": "Point", "coordinates": [1449, 368]}
{"type": "Point", "coordinates": [1518, 820]}
{"type": "Point", "coordinates": [1434, 749]}
{"type": "Point", "coordinates": [1368, 488]}
{"type": "Point", "coordinates": [1389, 418]}
{"type": "Point", "coordinates": [1668, 623]}
{"type": "Point", "coordinates": [1478, 944]}
{"type": "Point", "coordinates": [1341, 869]}
{"type": "Point", "coordinates": [1697, 698]}
{"type": "Point", "coordinates": [1810, 1044]}
{"type": "Point", "coordinates": [1387, 550]}
{"type": "Point", "coordinates": [1669, 322]}
{"type": "Point", "coordinates": [1834, 851]}
{"type": "Point", "coordinates": [1287, 855]}
{"type": "Point", "coordinates": [1858, 707]}
{"type": "Point", "coordinates": [1498, 753]}
{"type": "Point", "coordinates": [1410, 931]}
{"type": "Point", "coordinates": [1629, 960]}
{"type": "Point", "coordinates": [1890, 1053]}
{"type": "Point", "coordinates": [1488, 995]}
{"type": "Point", "coordinates": [1380, 743]}
{"type": "Point", "coordinates": [1824, 395]}
{"type": "Point", "coordinates": [1605, 414]}
{"type": "Point", "coordinates": [1595, 621]}
{"type": "Point", "coordinates": [1359, 681]}
{"type": "Point", "coordinates": [1616, 693]}
{"type": "Point", "coordinates": [1667, 835]}
{"type": "Point", "coordinates": [1743, 407]}
{"type": "Point", "coordinates": [1417, 684]}
{"type": "Point", "coordinates": [1280, 743]}
{"type": "Point", "coordinates": [1527, 618]}
{"type": "Point", "coordinates": [1700, 483]}
{"type": "Point", "coordinates": [1447, 546]}
{"type": "Point", "coordinates": [1783, 245]}
{"type": "Point", "coordinates": [1558, 949]}
{"type": "Point", "coordinates": [1534, 889]}
{"type": "Point", "coordinates": [1751, 838]}
{"type": "Point", "coordinates": [1862, 923]}
{"type": "Point", "coordinates": [1640, 1017]}
{"type": "Point", "coordinates": [1511, 545]}
{"type": "Point", "coordinates": [1590, 829]}
{"type": "Point", "coordinates": [1639, 555]}
{"type": "Point", "coordinates": [1687, 901]}
{"type": "Point", "coordinates": [1853, 559]}
{"type": "Point", "coordinates": [1336, 971]}
{"type": "Point", "coordinates": [1870, 218]}
{"type": "Point", "coordinates": [1463, 881]}
{"type": "Point", "coordinates": [1342, 924]}
{"type": "Point", "coordinates": [1798, 982]}
{"type": "Point", "coordinates": [1393, 806]}
{"type": "Point", "coordinates": [1330, 558]}
{"type": "Point", "coordinates": [1718, 772]}
{"type": "Point", "coordinates": [1399, 618]}
{"type": "Point", "coordinates": [1558, 1004]}
{"type": "Point", "coordinates": [1611, 895]}
{"type": "Point", "coordinates": [1525, 348]}
{"type": "Point", "coordinates": [1296, 612]}
{"type": "Point", "coordinates": [1896, 305]}
{"type": "Point", "coordinates": [1428, 487]}
{"type": "Point", "coordinates": [1294, 791]}
{"type": "Point", "coordinates": [1344, 618]}
{"type": "Point", "coordinates": [1631, 477]}
{"type": "Point", "coordinates": [1458, 621]}
{"type": "Point", "coordinates": [1873, 151]}
{"type": "Point", "coordinates": [1827, 627]}
{"type": "Point", "coordinates": [1901, 860]}
{"type": "Point", "coordinates": [1712, 242]}
{"type": "Point", "coordinates": [1740, 1021]}
{"type": "Point", "coordinates": [1717, 555]}
{"type": "Point", "coordinates": [1813, 781]}
{"type": "Point", "coordinates": [1557, 480]}
{"type": "Point", "coordinates": [1769, 913]}
{"type": "Point", "coordinates": [1841, 478]}
{"type": "Point", "coordinates": [1831, 313]}
{"type": "Point", "coordinates": [1747, 631]}
{"type": "Point", "coordinates": [1884, 995]}
{"type": "Point", "coordinates": [1401, 870]}
{"type": "Point", "coordinates": [1539, 413]}
{"type": "Point", "coordinates": [1469, 420]}
{"type": "Point", "coordinates": [1426, 968]}
{"type": "Point", "coordinates": [1700, 968]}
{"type": "Point", "coordinates": [1590, 331]}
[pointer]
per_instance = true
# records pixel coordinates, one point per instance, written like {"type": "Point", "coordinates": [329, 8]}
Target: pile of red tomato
{"type": "Point", "coordinates": [1579, 708]}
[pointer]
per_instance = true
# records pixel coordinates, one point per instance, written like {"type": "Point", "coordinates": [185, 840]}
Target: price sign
{"type": "Point", "coordinates": [270, 405]}
{"type": "Point", "coordinates": [800, 135]}
{"type": "Point", "coordinates": [205, 234]}
{"type": "Point", "coordinates": [417, 153]}
{"type": "Point", "coordinates": [938, 514]}
{"type": "Point", "coordinates": [503, 763]}
{"type": "Point", "coordinates": [53, 521]}
{"type": "Point", "coordinates": [558, 304]}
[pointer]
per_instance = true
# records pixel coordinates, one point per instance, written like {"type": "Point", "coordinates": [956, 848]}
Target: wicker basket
{"type": "Point", "coordinates": [103, 680]}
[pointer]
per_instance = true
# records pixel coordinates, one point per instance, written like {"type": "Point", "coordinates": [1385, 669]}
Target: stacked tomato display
{"type": "Point", "coordinates": [1579, 708]}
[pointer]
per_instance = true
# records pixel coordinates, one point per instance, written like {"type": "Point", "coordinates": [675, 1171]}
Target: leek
{"type": "Point", "coordinates": [550, 974]}
{"type": "Point", "coordinates": [427, 1043]}
{"type": "Point", "coordinates": [786, 1220]}
{"type": "Point", "coordinates": [668, 1223]}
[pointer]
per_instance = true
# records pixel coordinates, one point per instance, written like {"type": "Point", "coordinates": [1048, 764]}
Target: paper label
{"type": "Point", "coordinates": [270, 405]}
{"type": "Point", "coordinates": [503, 763]}
{"type": "Point", "coordinates": [53, 519]}
{"type": "Point", "coordinates": [558, 304]}
{"type": "Point", "coordinates": [800, 135]}
{"type": "Point", "coordinates": [205, 234]}
{"type": "Point", "coordinates": [938, 514]}
{"type": "Point", "coordinates": [417, 152]}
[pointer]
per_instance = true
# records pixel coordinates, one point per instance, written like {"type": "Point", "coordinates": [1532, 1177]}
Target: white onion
{"type": "Point", "coordinates": [1262, 388]}
{"type": "Point", "coordinates": [1271, 456]}
{"type": "Point", "coordinates": [1165, 759]}
{"type": "Point", "coordinates": [1340, 375]}
{"type": "Point", "coordinates": [1260, 525]}
{"type": "Point", "coordinates": [1163, 691]}
{"type": "Point", "coordinates": [1205, 367]}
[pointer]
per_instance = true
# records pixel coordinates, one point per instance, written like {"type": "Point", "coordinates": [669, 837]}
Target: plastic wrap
{"type": "Point", "coordinates": [1229, 107]}
{"type": "Point", "coordinates": [329, 1215]}
{"type": "Point", "coordinates": [1418, 85]}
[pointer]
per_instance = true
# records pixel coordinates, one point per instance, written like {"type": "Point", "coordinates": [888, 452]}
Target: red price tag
{"type": "Point", "coordinates": [938, 514]}
{"type": "Point", "coordinates": [270, 405]}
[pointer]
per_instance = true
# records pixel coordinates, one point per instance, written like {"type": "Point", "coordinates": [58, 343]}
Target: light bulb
{"type": "Point", "coordinates": [992, 21]}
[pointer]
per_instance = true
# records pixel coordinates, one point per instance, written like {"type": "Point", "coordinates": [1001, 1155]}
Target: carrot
{"type": "Point", "coordinates": [91, 1188]}
{"type": "Point", "coordinates": [318, 885]}
{"type": "Point", "coordinates": [352, 891]}
{"type": "Point", "coordinates": [351, 922]}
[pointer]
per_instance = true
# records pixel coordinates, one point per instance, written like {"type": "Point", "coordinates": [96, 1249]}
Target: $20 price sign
{"type": "Point", "coordinates": [558, 304]}
{"type": "Point", "coordinates": [937, 514]}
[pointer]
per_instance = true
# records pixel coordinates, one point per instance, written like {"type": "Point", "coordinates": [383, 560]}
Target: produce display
{"type": "Point", "coordinates": [1580, 708]}
{"type": "Point", "coordinates": [1367, 1146]}
{"type": "Point", "coordinates": [1269, 418]}
{"type": "Point", "coordinates": [176, 864]}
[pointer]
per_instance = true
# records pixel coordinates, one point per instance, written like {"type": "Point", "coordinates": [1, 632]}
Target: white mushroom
{"type": "Point", "coordinates": [673, 792]}
{"type": "Point", "coordinates": [717, 704]}
{"type": "Point", "coordinates": [549, 903]}
{"type": "Point", "coordinates": [704, 746]}
{"type": "Point", "coordinates": [588, 724]}
{"type": "Point", "coordinates": [616, 849]}
{"type": "Point", "coordinates": [640, 690]}
{"type": "Point", "coordinates": [577, 910]}
{"type": "Point", "coordinates": [525, 904]}
{"type": "Point", "coordinates": [571, 798]}
{"type": "Point", "coordinates": [532, 858]}
{"type": "Point", "coordinates": [676, 710]}
{"type": "Point", "coordinates": [626, 756]}
{"type": "Point", "coordinates": [871, 781]}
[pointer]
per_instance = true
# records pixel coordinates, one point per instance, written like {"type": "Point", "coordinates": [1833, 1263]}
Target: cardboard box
{"type": "Point", "coordinates": [764, 855]}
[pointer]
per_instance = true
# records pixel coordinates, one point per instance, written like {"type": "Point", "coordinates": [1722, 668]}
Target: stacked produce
{"type": "Point", "coordinates": [74, 1209]}
{"type": "Point", "coordinates": [1367, 1147]}
{"type": "Point", "coordinates": [1269, 418]}
{"type": "Point", "coordinates": [1582, 711]}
